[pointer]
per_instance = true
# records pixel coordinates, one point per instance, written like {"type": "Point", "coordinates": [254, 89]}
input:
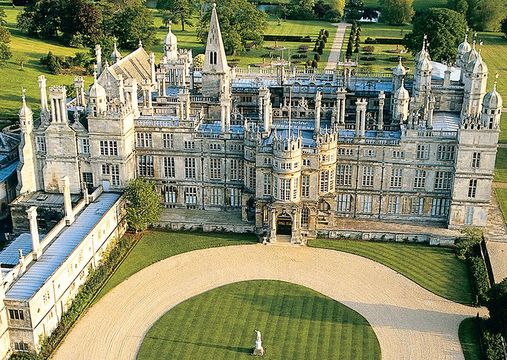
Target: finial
{"type": "Point", "coordinates": [425, 38]}
{"type": "Point", "coordinates": [140, 43]}
{"type": "Point", "coordinates": [497, 75]}
{"type": "Point", "coordinates": [95, 73]}
{"type": "Point", "coordinates": [214, 5]}
{"type": "Point", "coordinates": [23, 95]}
{"type": "Point", "coordinates": [169, 24]}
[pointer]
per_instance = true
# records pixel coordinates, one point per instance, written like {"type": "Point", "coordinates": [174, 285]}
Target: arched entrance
{"type": "Point", "coordinates": [250, 209]}
{"type": "Point", "coordinates": [284, 224]}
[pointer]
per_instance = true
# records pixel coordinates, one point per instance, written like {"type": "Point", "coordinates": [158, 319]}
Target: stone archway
{"type": "Point", "coordinates": [284, 224]}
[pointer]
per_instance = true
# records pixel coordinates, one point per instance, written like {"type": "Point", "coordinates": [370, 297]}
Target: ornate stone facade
{"type": "Point", "coordinates": [296, 151]}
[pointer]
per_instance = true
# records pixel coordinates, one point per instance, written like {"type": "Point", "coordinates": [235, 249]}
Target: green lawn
{"type": "Point", "coordinates": [501, 196]}
{"type": "Point", "coordinates": [159, 245]}
{"type": "Point", "coordinates": [469, 337]}
{"type": "Point", "coordinates": [501, 165]}
{"type": "Point", "coordinates": [418, 4]}
{"type": "Point", "coordinates": [434, 268]}
{"type": "Point", "coordinates": [295, 322]}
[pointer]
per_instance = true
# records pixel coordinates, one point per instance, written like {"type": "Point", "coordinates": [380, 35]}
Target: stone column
{"type": "Point", "coordinates": [381, 103]}
{"type": "Point", "coordinates": [361, 106]}
{"type": "Point", "coordinates": [67, 201]}
{"type": "Point", "coordinates": [34, 231]}
{"type": "Point", "coordinates": [318, 108]}
{"type": "Point", "coordinates": [43, 93]}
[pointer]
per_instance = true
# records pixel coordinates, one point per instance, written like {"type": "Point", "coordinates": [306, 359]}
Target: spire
{"type": "Point", "coordinates": [216, 59]}
{"type": "Point", "coordinates": [25, 112]}
{"type": "Point", "coordinates": [115, 55]}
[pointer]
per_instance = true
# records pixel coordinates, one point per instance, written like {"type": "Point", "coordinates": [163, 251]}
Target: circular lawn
{"type": "Point", "coordinates": [295, 322]}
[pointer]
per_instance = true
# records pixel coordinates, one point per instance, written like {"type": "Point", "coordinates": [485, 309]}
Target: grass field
{"type": "Point", "coordinates": [434, 268]}
{"type": "Point", "coordinates": [469, 338]}
{"type": "Point", "coordinates": [295, 322]}
{"type": "Point", "coordinates": [501, 165]}
{"type": "Point", "coordinates": [501, 196]}
{"type": "Point", "coordinates": [159, 245]}
{"type": "Point", "coordinates": [418, 4]}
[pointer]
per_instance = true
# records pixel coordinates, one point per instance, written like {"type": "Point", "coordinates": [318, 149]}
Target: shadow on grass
{"type": "Point", "coordinates": [238, 349]}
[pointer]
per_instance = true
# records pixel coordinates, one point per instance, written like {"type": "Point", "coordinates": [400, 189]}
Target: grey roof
{"type": "Point", "coordinates": [54, 256]}
{"type": "Point", "coordinates": [446, 121]}
{"type": "Point", "coordinates": [439, 69]}
{"type": "Point", "coordinates": [7, 171]}
{"type": "Point", "coordinates": [215, 128]}
{"type": "Point", "coordinates": [9, 256]}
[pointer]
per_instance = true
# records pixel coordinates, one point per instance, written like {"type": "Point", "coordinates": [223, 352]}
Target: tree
{"type": "Point", "coordinates": [504, 26]}
{"type": "Point", "coordinates": [497, 306]}
{"type": "Point", "coordinates": [130, 23]}
{"type": "Point", "coordinates": [445, 29]}
{"type": "Point", "coordinates": [460, 6]}
{"type": "Point", "coordinates": [339, 6]}
{"type": "Point", "coordinates": [180, 10]}
{"type": "Point", "coordinates": [240, 23]}
{"type": "Point", "coordinates": [199, 60]}
{"type": "Point", "coordinates": [143, 204]}
{"type": "Point", "coordinates": [354, 9]}
{"type": "Point", "coordinates": [5, 39]}
{"type": "Point", "coordinates": [301, 9]}
{"type": "Point", "coordinates": [41, 18]}
{"type": "Point", "coordinates": [81, 23]}
{"type": "Point", "coordinates": [397, 12]}
{"type": "Point", "coordinates": [487, 15]}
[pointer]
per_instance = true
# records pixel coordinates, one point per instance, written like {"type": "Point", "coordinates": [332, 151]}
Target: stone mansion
{"type": "Point", "coordinates": [296, 151]}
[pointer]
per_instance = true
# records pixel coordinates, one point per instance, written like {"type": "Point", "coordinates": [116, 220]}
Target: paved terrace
{"type": "Point", "coordinates": [409, 321]}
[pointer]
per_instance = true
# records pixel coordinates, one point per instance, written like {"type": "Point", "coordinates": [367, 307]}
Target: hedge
{"type": "Point", "coordinates": [492, 345]}
{"type": "Point", "coordinates": [112, 257]}
{"type": "Point", "coordinates": [289, 38]}
{"type": "Point", "coordinates": [480, 279]}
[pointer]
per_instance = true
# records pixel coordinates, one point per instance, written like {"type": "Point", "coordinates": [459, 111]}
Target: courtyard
{"type": "Point", "coordinates": [408, 320]}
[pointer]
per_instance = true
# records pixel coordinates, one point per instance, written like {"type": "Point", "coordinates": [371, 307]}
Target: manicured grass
{"type": "Point", "coordinates": [434, 268]}
{"type": "Point", "coordinates": [501, 165]}
{"type": "Point", "coordinates": [385, 56]}
{"type": "Point", "coordinates": [469, 338]}
{"type": "Point", "coordinates": [159, 245]}
{"type": "Point", "coordinates": [295, 322]}
{"type": "Point", "coordinates": [501, 196]}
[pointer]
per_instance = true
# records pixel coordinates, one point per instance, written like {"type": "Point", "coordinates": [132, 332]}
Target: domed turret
{"type": "Point", "coordinates": [477, 65]}
{"type": "Point", "coordinates": [402, 93]}
{"type": "Point", "coordinates": [171, 45]}
{"type": "Point", "coordinates": [25, 112]}
{"type": "Point", "coordinates": [493, 99]}
{"type": "Point", "coordinates": [423, 53]}
{"type": "Point", "coordinates": [464, 47]}
{"type": "Point", "coordinates": [97, 98]}
{"type": "Point", "coordinates": [399, 70]}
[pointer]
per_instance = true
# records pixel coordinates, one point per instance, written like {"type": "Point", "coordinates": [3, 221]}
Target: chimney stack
{"type": "Point", "coordinates": [67, 202]}
{"type": "Point", "coordinates": [34, 231]}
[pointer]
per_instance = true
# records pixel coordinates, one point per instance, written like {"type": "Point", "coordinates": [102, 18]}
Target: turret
{"type": "Point", "coordinates": [463, 49]}
{"type": "Point", "coordinates": [115, 55]}
{"type": "Point", "coordinates": [422, 75]}
{"type": "Point", "coordinates": [399, 73]}
{"type": "Point", "coordinates": [215, 71]}
{"type": "Point", "coordinates": [171, 45]}
{"type": "Point", "coordinates": [476, 79]}
{"type": "Point", "coordinates": [491, 110]}
{"type": "Point", "coordinates": [401, 101]}
{"type": "Point", "coordinates": [97, 98]}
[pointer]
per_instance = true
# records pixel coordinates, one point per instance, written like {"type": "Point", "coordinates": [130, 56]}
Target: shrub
{"type": "Point", "coordinates": [314, 64]}
{"type": "Point", "coordinates": [493, 346]}
{"type": "Point", "coordinates": [326, 33]}
{"type": "Point", "coordinates": [316, 57]}
{"type": "Point", "coordinates": [480, 279]}
{"type": "Point", "coordinates": [320, 51]}
{"type": "Point", "coordinates": [370, 40]}
{"type": "Point", "coordinates": [369, 49]}
{"type": "Point", "coordinates": [466, 245]}
{"type": "Point", "coordinates": [303, 48]}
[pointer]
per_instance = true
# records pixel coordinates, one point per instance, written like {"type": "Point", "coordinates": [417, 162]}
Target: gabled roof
{"type": "Point", "coordinates": [135, 65]}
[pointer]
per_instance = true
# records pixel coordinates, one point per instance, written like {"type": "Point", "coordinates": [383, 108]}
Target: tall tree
{"type": "Point", "coordinates": [143, 204]}
{"type": "Point", "coordinates": [397, 12]}
{"type": "Point", "coordinates": [497, 306]}
{"type": "Point", "coordinates": [445, 29]}
{"type": "Point", "coordinates": [5, 39]}
{"type": "Point", "coordinates": [487, 15]}
{"type": "Point", "coordinates": [180, 10]}
{"type": "Point", "coordinates": [339, 6]}
{"type": "Point", "coordinates": [240, 23]}
{"type": "Point", "coordinates": [460, 6]}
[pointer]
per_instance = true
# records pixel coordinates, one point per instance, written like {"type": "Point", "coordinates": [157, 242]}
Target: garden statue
{"type": "Point", "coordinates": [258, 351]}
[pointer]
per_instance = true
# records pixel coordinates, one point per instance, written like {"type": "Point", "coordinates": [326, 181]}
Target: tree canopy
{"type": "Point", "coordinates": [497, 306]}
{"type": "Point", "coordinates": [445, 29]}
{"type": "Point", "coordinates": [5, 39]}
{"type": "Point", "coordinates": [179, 10]}
{"type": "Point", "coordinates": [397, 12]}
{"type": "Point", "coordinates": [86, 22]}
{"type": "Point", "coordinates": [240, 23]}
{"type": "Point", "coordinates": [482, 15]}
{"type": "Point", "coordinates": [143, 204]}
